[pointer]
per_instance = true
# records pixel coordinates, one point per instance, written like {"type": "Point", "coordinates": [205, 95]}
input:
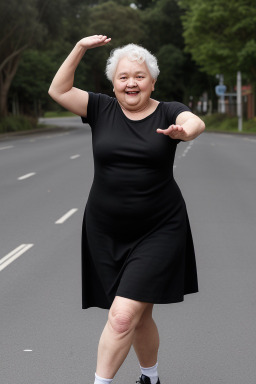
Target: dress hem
{"type": "Point", "coordinates": [172, 300]}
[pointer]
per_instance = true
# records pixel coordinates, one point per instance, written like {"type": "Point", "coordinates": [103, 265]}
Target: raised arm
{"type": "Point", "coordinates": [188, 126]}
{"type": "Point", "coordinates": [61, 88]}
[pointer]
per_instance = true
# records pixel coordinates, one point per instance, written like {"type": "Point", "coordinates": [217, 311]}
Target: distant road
{"type": "Point", "coordinates": [64, 122]}
{"type": "Point", "coordinates": [46, 338]}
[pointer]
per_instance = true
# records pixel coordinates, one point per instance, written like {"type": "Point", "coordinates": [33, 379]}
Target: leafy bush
{"type": "Point", "coordinates": [17, 123]}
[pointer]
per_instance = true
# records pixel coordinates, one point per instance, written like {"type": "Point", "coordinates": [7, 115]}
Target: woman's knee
{"type": "Point", "coordinates": [125, 314]}
{"type": "Point", "coordinates": [120, 322]}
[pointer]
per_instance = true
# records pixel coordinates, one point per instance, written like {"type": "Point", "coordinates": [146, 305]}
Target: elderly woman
{"type": "Point", "coordinates": [137, 248]}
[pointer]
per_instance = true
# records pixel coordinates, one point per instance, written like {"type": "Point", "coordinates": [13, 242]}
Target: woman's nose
{"type": "Point", "coordinates": [131, 82]}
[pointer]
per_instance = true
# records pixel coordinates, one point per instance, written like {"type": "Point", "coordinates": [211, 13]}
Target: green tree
{"type": "Point", "coordinates": [29, 93]}
{"type": "Point", "coordinates": [179, 77]}
{"type": "Point", "coordinates": [26, 24]}
{"type": "Point", "coordinates": [19, 28]}
{"type": "Point", "coordinates": [143, 4]}
{"type": "Point", "coordinates": [162, 24]}
{"type": "Point", "coordinates": [170, 84]}
{"type": "Point", "coordinates": [220, 35]}
{"type": "Point", "coordinates": [123, 24]}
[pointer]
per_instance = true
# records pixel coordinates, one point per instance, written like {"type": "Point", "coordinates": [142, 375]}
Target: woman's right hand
{"type": "Point", "coordinates": [62, 89]}
{"type": "Point", "coordinates": [94, 41]}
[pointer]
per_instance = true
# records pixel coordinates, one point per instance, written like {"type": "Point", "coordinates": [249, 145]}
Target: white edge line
{"type": "Point", "coordinates": [13, 255]}
{"type": "Point", "coordinates": [9, 147]}
{"type": "Point", "coordinates": [26, 176]}
{"type": "Point", "coordinates": [245, 138]}
{"type": "Point", "coordinates": [66, 216]}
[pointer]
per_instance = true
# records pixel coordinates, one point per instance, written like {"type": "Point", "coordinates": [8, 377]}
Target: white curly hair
{"type": "Point", "coordinates": [132, 52]}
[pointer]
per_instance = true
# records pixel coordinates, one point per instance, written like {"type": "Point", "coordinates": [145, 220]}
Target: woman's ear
{"type": "Point", "coordinates": [153, 84]}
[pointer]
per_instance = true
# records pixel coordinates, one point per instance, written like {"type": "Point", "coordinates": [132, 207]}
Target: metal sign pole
{"type": "Point", "coordinates": [239, 101]}
{"type": "Point", "coordinates": [222, 97]}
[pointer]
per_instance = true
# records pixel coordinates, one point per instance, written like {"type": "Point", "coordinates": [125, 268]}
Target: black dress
{"type": "Point", "coordinates": [136, 237]}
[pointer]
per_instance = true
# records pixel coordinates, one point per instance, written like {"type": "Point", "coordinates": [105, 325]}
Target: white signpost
{"type": "Point", "coordinates": [220, 91]}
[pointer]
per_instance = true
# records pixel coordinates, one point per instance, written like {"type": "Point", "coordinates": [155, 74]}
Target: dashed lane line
{"type": "Point", "coordinates": [66, 216]}
{"type": "Point", "coordinates": [26, 176]}
{"type": "Point", "coordinates": [13, 255]}
{"type": "Point", "coordinates": [187, 148]}
{"type": "Point", "coordinates": [74, 157]}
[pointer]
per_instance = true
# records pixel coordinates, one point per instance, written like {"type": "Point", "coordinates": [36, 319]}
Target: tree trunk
{"type": "Point", "coordinates": [3, 97]}
{"type": "Point", "coordinates": [6, 76]}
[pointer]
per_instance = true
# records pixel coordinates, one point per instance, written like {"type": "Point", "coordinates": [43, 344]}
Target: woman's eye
{"type": "Point", "coordinates": [122, 78]}
{"type": "Point", "coordinates": [139, 77]}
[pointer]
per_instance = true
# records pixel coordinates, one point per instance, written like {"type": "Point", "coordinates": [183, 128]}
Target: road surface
{"type": "Point", "coordinates": [46, 338]}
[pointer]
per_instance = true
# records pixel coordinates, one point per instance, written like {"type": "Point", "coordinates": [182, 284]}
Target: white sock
{"type": "Point", "coordinates": [151, 372]}
{"type": "Point", "coordinates": [100, 380]}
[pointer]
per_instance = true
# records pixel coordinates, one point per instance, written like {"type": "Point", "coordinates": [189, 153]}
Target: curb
{"type": "Point", "coordinates": [231, 133]}
{"type": "Point", "coordinates": [54, 128]}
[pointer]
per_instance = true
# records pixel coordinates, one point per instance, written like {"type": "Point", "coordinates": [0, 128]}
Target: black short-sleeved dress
{"type": "Point", "coordinates": [136, 237]}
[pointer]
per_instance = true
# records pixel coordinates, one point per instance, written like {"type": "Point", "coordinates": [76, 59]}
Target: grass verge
{"type": "Point", "coordinates": [223, 123]}
{"type": "Point", "coordinates": [59, 114]}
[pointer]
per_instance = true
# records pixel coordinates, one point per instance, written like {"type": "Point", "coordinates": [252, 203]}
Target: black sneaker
{"type": "Point", "coordinates": [145, 380]}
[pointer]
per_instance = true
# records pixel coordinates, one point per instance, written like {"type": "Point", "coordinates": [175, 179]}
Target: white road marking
{"type": "Point", "coordinates": [26, 176]}
{"type": "Point", "coordinates": [245, 138]}
{"type": "Point", "coordinates": [66, 216]}
{"type": "Point", "coordinates": [8, 147]}
{"type": "Point", "coordinates": [13, 255]}
{"type": "Point", "coordinates": [55, 135]}
{"type": "Point", "coordinates": [74, 157]}
{"type": "Point", "coordinates": [187, 149]}
{"type": "Point", "coordinates": [27, 350]}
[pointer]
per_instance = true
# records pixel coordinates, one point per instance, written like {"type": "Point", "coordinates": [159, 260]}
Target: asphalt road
{"type": "Point", "coordinates": [45, 336]}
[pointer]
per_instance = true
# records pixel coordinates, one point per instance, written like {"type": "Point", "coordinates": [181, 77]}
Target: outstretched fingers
{"type": "Point", "coordinates": [173, 131]}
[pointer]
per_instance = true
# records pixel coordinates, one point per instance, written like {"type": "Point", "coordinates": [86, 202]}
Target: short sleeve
{"type": "Point", "coordinates": [97, 102]}
{"type": "Point", "coordinates": [174, 109]}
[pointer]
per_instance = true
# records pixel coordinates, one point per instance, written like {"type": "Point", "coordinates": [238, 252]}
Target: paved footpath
{"type": "Point", "coordinates": [45, 336]}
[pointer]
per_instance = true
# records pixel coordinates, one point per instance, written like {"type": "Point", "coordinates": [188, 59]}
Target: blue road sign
{"type": "Point", "coordinates": [220, 90]}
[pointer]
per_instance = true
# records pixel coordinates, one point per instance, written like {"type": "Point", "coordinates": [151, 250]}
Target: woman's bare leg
{"type": "Point", "coordinates": [146, 339]}
{"type": "Point", "coordinates": [117, 336]}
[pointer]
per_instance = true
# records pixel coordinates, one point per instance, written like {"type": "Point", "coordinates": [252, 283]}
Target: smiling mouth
{"type": "Point", "coordinates": [132, 92]}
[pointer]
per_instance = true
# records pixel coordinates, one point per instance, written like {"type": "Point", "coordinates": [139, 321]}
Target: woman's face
{"type": "Point", "coordinates": [133, 84]}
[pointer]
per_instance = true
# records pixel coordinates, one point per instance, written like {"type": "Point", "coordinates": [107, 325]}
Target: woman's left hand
{"type": "Point", "coordinates": [174, 131]}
